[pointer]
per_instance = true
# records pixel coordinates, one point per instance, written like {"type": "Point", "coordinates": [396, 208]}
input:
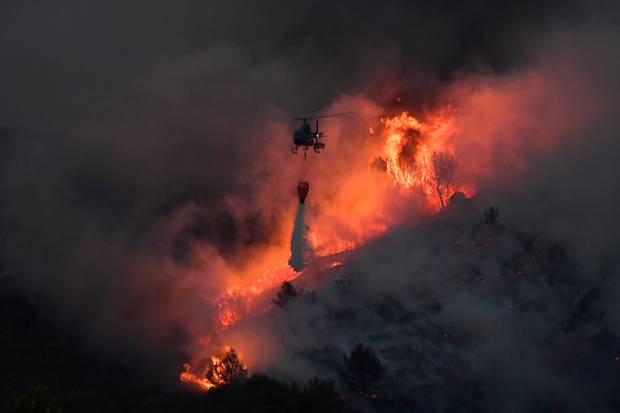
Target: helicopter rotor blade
{"type": "Point", "coordinates": [324, 116]}
{"type": "Point", "coordinates": [331, 115]}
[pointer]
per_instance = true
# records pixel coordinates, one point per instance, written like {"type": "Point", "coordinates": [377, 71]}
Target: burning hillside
{"type": "Point", "coordinates": [382, 171]}
{"type": "Point", "coordinates": [447, 244]}
{"type": "Point", "coordinates": [412, 152]}
{"type": "Point", "coordinates": [400, 169]}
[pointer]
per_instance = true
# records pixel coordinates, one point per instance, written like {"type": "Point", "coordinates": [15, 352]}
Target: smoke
{"type": "Point", "coordinates": [299, 243]}
{"type": "Point", "coordinates": [145, 164]}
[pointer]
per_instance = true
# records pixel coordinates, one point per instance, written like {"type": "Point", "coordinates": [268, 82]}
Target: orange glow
{"type": "Point", "coordinates": [237, 301]}
{"type": "Point", "coordinates": [231, 307]}
{"type": "Point", "coordinates": [335, 264]}
{"type": "Point", "coordinates": [187, 376]}
{"type": "Point", "coordinates": [216, 371]}
{"type": "Point", "coordinates": [356, 208]}
{"type": "Point", "coordinates": [350, 202]}
{"type": "Point", "coordinates": [377, 172]}
{"type": "Point", "coordinates": [409, 146]}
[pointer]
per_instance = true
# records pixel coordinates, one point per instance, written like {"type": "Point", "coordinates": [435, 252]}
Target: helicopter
{"type": "Point", "coordinates": [305, 137]}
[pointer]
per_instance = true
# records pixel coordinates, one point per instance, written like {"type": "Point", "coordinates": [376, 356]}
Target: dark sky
{"type": "Point", "coordinates": [71, 60]}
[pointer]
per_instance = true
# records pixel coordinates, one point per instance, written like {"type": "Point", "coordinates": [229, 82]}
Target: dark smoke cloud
{"type": "Point", "coordinates": [132, 133]}
{"type": "Point", "coordinates": [72, 60]}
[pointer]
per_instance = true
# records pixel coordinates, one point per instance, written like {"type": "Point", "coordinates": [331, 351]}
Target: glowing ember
{"type": "Point", "coordinates": [336, 264]}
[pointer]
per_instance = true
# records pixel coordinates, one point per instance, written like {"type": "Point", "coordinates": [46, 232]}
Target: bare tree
{"type": "Point", "coordinates": [444, 169]}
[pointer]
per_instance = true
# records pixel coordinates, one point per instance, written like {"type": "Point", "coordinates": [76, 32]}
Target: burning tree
{"type": "Point", "coordinates": [444, 168]}
{"type": "Point", "coordinates": [225, 368]}
{"type": "Point", "coordinates": [361, 369]}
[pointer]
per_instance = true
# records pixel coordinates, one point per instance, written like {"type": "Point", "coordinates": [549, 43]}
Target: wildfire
{"type": "Point", "coordinates": [373, 176]}
{"type": "Point", "coordinates": [231, 307]}
{"type": "Point", "coordinates": [331, 244]}
{"type": "Point", "coordinates": [218, 370]}
{"type": "Point", "coordinates": [236, 302]}
{"type": "Point", "coordinates": [323, 249]}
{"type": "Point", "coordinates": [417, 155]}
{"type": "Point", "coordinates": [272, 277]}
{"type": "Point", "coordinates": [187, 376]}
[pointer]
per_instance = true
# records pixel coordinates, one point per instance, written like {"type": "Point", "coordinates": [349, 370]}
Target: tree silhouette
{"type": "Point", "coordinates": [286, 293]}
{"type": "Point", "coordinates": [264, 394]}
{"type": "Point", "coordinates": [444, 168]}
{"type": "Point", "coordinates": [225, 368]}
{"type": "Point", "coordinates": [320, 395]}
{"type": "Point", "coordinates": [361, 370]}
{"type": "Point", "coordinates": [40, 401]}
{"type": "Point", "coordinates": [490, 216]}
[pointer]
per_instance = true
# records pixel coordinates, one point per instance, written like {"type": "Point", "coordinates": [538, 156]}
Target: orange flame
{"type": "Point", "coordinates": [352, 210]}
{"type": "Point", "coordinates": [233, 305]}
{"type": "Point", "coordinates": [187, 376]}
{"type": "Point", "coordinates": [216, 371]}
{"type": "Point", "coordinates": [409, 145]}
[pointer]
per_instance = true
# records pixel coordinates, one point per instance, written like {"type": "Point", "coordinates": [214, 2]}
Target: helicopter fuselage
{"type": "Point", "coordinates": [304, 138]}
